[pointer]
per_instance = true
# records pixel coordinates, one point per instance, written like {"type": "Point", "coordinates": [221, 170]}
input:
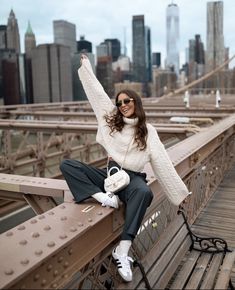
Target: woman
{"type": "Point", "coordinates": [130, 142]}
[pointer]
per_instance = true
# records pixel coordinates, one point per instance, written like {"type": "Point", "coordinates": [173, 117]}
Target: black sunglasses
{"type": "Point", "coordinates": [124, 101]}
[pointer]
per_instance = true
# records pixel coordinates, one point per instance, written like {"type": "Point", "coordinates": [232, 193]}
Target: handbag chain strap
{"type": "Point", "coordinates": [123, 159]}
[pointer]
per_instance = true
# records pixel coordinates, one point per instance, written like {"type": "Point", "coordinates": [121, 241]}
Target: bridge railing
{"type": "Point", "coordinates": [69, 245]}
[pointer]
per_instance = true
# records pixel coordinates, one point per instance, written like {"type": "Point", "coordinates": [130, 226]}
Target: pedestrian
{"type": "Point", "coordinates": [130, 143]}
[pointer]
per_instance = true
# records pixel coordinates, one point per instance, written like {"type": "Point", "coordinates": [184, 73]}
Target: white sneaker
{"type": "Point", "coordinates": [111, 200]}
{"type": "Point", "coordinates": [123, 265]}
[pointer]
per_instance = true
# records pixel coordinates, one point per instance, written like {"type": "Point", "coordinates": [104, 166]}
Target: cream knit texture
{"type": "Point", "coordinates": [117, 143]}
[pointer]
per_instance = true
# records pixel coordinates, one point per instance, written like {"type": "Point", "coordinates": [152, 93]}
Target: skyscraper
{"type": "Point", "coordinates": [215, 54]}
{"type": "Point", "coordinates": [52, 73]}
{"type": "Point", "coordinates": [115, 47]}
{"type": "Point", "coordinates": [29, 39]}
{"type": "Point", "coordinates": [84, 45]}
{"type": "Point", "coordinates": [172, 30]}
{"type": "Point", "coordinates": [65, 33]}
{"type": "Point", "coordinates": [30, 44]}
{"type": "Point", "coordinates": [13, 36]}
{"type": "Point", "coordinates": [139, 48]}
{"type": "Point", "coordinates": [148, 54]}
{"type": "Point", "coordinates": [3, 36]}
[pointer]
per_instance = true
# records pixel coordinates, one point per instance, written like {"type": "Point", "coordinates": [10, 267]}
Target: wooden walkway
{"type": "Point", "coordinates": [217, 219]}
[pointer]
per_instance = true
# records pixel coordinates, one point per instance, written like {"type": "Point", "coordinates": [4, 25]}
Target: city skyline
{"type": "Point", "coordinates": [98, 21]}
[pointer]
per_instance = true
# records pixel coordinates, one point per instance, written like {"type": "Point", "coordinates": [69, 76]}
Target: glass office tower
{"type": "Point", "coordinates": [172, 30]}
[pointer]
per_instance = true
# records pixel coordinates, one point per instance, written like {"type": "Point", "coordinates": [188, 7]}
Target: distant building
{"type": "Point", "coordinates": [84, 45]}
{"type": "Point", "coordinates": [29, 40]}
{"type": "Point", "coordinates": [13, 36]}
{"type": "Point", "coordinates": [65, 33]}
{"type": "Point", "coordinates": [215, 51]}
{"type": "Point", "coordinates": [30, 44]}
{"type": "Point", "coordinates": [199, 50]}
{"type": "Point", "coordinates": [164, 81]}
{"type": "Point", "coordinates": [114, 48]}
{"type": "Point", "coordinates": [9, 81]}
{"type": "Point", "coordinates": [135, 86]}
{"type": "Point", "coordinates": [156, 59]}
{"type": "Point", "coordinates": [172, 31]}
{"type": "Point", "coordinates": [148, 54]}
{"type": "Point", "coordinates": [52, 73]}
{"type": "Point", "coordinates": [196, 60]}
{"type": "Point", "coordinates": [104, 74]}
{"type": "Point", "coordinates": [139, 49]}
{"type": "Point", "coordinates": [78, 91]}
{"type": "Point", "coordinates": [3, 37]}
{"type": "Point", "coordinates": [121, 69]}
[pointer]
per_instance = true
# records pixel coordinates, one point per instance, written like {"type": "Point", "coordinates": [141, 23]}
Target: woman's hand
{"type": "Point", "coordinates": [83, 56]}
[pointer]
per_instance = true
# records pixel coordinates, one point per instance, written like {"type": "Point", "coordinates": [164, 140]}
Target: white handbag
{"type": "Point", "coordinates": [119, 180]}
{"type": "Point", "coordinates": [116, 181]}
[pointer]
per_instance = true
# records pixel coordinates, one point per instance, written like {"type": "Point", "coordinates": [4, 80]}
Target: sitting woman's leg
{"type": "Point", "coordinates": [86, 181]}
{"type": "Point", "coordinates": [137, 197]}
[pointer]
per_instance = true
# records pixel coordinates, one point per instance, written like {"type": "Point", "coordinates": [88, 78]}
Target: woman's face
{"type": "Point", "coordinates": [126, 105]}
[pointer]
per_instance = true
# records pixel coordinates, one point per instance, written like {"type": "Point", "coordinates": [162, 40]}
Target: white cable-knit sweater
{"type": "Point", "coordinates": [117, 143]}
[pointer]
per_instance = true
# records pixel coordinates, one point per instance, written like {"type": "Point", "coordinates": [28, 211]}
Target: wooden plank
{"type": "Point", "coordinates": [167, 256]}
{"type": "Point", "coordinates": [185, 271]}
{"type": "Point", "coordinates": [199, 271]}
{"type": "Point", "coordinates": [225, 271]}
{"type": "Point", "coordinates": [173, 265]}
{"type": "Point", "coordinates": [209, 279]}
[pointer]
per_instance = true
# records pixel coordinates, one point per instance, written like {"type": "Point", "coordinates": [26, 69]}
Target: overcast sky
{"type": "Point", "coordinates": [100, 19]}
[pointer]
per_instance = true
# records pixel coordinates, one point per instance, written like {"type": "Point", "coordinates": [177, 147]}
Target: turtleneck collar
{"type": "Point", "coordinates": [130, 121]}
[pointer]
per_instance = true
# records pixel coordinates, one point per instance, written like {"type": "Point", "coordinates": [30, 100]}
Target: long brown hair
{"type": "Point", "coordinates": [116, 123]}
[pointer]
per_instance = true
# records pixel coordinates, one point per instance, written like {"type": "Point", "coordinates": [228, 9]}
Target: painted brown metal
{"type": "Point", "coordinates": [49, 249]}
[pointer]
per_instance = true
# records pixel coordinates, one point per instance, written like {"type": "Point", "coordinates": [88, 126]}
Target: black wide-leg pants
{"type": "Point", "coordinates": [85, 180]}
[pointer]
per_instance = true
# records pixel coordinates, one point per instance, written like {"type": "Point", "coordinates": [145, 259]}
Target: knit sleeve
{"type": "Point", "coordinates": [165, 172]}
{"type": "Point", "coordinates": [99, 100]}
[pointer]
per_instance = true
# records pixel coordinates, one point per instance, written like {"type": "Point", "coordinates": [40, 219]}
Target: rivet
{"type": "Point", "coordinates": [51, 244]}
{"type": "Point", "coordinates": [62, 206]}
{"type": "Point", "coordinates": [64, 236]}
{"type": "Point", "coordinates": [23, 242]}
{"type": "Point", "coordinates": [55, 273]}
{"type": "Point", "coordinates": [8, 234]}
{"type": "Point", "coordinates": [51, 213]}
{"type": "Point", "coordinates": [9, 271]}
{"type": "Point", "coordinates": [49, 267]}
{"type": "Point", "coordinates": [66, 264]}
{"type": "Point", "coordinates": [44, 281]}
{"type": "Point", "coordinates": [89, 220]}
{"type": "Point", "coordinates": [65, 276]}
{"type": "Point", "coordinates": [36, 277]}
{"type": "Point", "coordinates": [60, 259]}
{"type": "Point", "coordinates": [20, 228]}
{"type": "Point", "coordinates": [80, 224]}
{"type": "Point", "coordinates": [70, 251]}
{"type": "Point", "coordinates": [38, 252]}
{"type": "Point", "coordinates": [100, 213]}
{"type": "Point", "coordinates": [54, 285]}
{"type": "Point", "coordinates": [47, 228]}
{"type": "Point", "coordinates": [41, 217]}
{"type": "Point", "coordinates": [24, 262]}
{"type": "Point", "coordinates": [35, 235]}
{"type": "Point", "coordinates": [33, 221]}
{"type": "Point", "coordinates": [73, 229]}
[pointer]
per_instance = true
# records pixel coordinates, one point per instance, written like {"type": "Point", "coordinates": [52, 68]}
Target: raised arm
{"type": "Point", "coordinates": [96, 95]}
{"type": "Point", "coordinates": [165, 172]}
